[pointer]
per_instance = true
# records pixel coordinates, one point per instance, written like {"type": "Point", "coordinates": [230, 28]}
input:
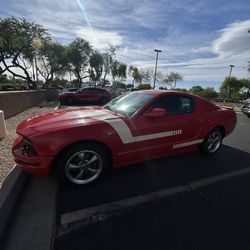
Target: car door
{"type": "Point", "coordinates": [158, 136]}
{"type": "Point", "coordinates": [82, 95]}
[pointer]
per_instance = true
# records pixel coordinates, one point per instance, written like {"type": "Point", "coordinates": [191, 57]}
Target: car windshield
{"type": "Point", "coordinates": [128, 104]}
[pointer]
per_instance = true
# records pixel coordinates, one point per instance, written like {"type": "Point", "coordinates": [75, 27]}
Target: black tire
{"type": "Point", "coordinates": [74, 164]}
{"type": "Point", "coordinates": [70, 100]}
{"type": "Point", "coordinates": [248, 116]}
{"type": "Point", "coordinates": [212, 142]}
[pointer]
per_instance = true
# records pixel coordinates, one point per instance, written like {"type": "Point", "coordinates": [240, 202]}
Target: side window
{"type": "Point", "coordinates": [93, 91]}
{"type": "Point", "coordinates": [84, 91]}
{"type": "Point", "coordinates": [187, 104]}
{"type": "Point", "coordinates": [175, 104]}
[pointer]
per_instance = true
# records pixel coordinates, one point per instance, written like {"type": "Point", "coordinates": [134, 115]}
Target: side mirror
{"type": "Point", "coordinates": [156, 112]}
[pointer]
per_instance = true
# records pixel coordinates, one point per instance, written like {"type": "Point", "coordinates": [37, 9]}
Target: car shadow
{"type": "Point", "coordinates": [151, 176]}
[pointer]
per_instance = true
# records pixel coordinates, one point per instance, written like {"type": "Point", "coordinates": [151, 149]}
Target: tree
{"type": "Point", "coordinates": [16, 47]}
{"type": "Point", "coordinates": [196, 90]}
{"type": "Point", "coordinates": [109, 57]}
{"type": "Point", "coordinates": [144, 86]}
{"type": "Point", "coordinates": [96, 66]}
{"type": "Point", "coordinates": [209, 93]}
{"type": "Point", "coordinates": [140, 75]}
{"type": "Point", "coordinates": [172, 78]}
{"type": "Point", "coordinates": [122, 71]}
{"type": "Point", "coordinates": [53, 61]}
{"type": "Point", "coordinates": [134, 71]}
{"type": "Point", "coordinates": [79, 53]}
{"type": "Point", "coordinates": [181, 89]}
{"type": "Point", "coordinates": [230, 86]}
{"type": "Point", "coordinates": [246, 87]}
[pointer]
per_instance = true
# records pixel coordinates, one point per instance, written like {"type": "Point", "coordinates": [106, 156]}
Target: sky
{"type": "Point", "coordinates": [198, 38]}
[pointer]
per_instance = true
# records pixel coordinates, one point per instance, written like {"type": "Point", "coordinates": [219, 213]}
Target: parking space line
{"type": "Point", "coordinates": [105, 210]}
{"type": "Point", "coordinates": [218, 178]}
{"type": "Point", "coordinates": [117, 205]}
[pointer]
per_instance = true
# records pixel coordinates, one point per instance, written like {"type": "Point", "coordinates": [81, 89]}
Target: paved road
{"type": "Point", "coordinates": [209, 209]}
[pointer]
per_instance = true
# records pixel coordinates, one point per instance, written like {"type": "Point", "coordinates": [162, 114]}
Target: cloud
{"type": "Point", "coordinates": [100, 39]}
{"type": "Point", "coordinates": [233, 40]}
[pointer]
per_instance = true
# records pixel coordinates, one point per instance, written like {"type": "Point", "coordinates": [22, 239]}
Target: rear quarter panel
{"type": "Point", "coordinates": [213, 116]}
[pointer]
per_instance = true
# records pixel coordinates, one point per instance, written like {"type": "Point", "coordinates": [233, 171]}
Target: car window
{"type": "Point", "coordinates": [83, 90]}
{"type": "Point", "coordinates": [175, 104]}
{"type": "Point", "coordinates": [129, 103]}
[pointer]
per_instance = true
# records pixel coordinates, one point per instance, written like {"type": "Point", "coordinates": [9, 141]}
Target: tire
{"type": "Point", "coordinates": [82, 164]}
{"type": "Point", "coordinates": [70, 100]}
{"type": "Point", "coordinates": [212, 142]}
{"type": "Point", "coordinates": [248, 116]}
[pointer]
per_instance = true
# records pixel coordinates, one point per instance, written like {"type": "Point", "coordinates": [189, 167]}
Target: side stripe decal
{"type": "Point", "coordinates": [124, 131]}
{"type": "Point", "coordinates": [189, 143]}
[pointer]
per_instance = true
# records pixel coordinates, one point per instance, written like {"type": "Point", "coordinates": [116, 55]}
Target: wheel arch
{"type": "Point", "coordinates": [221, 127]}
{"type": "Point", "coordinates": [82, 142]}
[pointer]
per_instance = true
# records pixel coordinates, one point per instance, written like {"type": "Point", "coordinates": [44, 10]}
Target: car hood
{"type": "Point", "coordinates": [63, 118]}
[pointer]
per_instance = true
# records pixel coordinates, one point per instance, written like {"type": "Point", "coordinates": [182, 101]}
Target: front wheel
{"type": "Point", "coordinates": [212, 142]}
{"type": "Point", "coordinates": [82, 164]}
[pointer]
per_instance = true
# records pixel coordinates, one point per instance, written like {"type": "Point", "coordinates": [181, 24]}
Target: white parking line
{"type": "Point", "coordinates": [105, 209]}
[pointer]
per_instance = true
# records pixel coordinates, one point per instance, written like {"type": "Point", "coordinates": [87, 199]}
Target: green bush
{"type": "Point", "coordinates": [144, 86]}
{"type": "Point", "coordinates": [12, 87]}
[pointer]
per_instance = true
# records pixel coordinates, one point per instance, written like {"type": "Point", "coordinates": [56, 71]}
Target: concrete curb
{"type": "Point", "coordinates": [9, 194]}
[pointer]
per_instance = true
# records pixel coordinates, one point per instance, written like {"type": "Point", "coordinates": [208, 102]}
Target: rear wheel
{"type": "Point", "coordinates": [212, 142]}
{"type": "Point", "coordinates": [82, 164]}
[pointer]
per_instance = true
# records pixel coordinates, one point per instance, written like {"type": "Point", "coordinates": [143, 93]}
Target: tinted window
{"type": "Point", "coordinates": [129, 103]}
{"type": "Point", "coordinates": [96, 91]}
{"type": "Point", "coordinates": [175, 104]}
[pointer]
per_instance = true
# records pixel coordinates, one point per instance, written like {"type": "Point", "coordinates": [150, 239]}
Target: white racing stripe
{"type": "Point", "coordinates": [124, 131]}
{"type": "Point", "coordinates": [125, 134]}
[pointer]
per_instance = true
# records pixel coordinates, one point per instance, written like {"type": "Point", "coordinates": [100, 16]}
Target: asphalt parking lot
{"type": "Point", "coordinates": [186, 202]}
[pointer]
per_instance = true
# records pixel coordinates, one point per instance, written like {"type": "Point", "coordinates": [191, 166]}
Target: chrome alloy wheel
{"type": "Point", "coordinates": [84, 167]}
{"type": "Point", "coordinates": [214, 141]}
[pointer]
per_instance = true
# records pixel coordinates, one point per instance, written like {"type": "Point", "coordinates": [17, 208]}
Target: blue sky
{"type": "Point", "coordinates": [198, 38]}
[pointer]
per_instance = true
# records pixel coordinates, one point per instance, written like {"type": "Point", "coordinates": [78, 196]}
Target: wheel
{"type": "Point", "coordinates": [248, 116]}
{"type": "Point", "coordinates": [82, 164]}
{"type": "Point", "coordinates": [69, 100]}
{"type": "Point", "coordinates": [212, 142]}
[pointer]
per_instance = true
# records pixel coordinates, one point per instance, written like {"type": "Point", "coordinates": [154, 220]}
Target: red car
{"type": "Point", "coordinates": [81, 144]}
{"type": "Point", "coordinates": [86, 95]}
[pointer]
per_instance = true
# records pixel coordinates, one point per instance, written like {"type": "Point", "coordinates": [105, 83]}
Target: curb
{"type": "Point", "coordinates": [9, 193]}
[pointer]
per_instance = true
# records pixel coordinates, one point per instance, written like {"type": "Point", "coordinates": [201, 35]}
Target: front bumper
{"type": "Point", "coordinates": [39, 166]}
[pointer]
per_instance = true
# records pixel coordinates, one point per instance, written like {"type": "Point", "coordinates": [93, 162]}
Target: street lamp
{"type": "Point", "coordinates": [157, 52]}
{"type": "Point", "coordinates": [230, 72]}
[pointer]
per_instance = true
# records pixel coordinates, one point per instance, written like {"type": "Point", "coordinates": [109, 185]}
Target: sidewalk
{"type": "Point", "coordinates": [32, 223]}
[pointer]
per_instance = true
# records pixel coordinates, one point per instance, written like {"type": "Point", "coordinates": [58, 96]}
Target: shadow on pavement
{"type": "Point", "coordinates": [151, 176]}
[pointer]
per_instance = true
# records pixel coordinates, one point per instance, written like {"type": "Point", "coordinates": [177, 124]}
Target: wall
{"type": "Point", "coordinates": [14, 102]}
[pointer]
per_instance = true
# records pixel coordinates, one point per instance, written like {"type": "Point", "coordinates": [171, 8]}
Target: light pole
{"type": "Point", "coordinates": [157, 52]}
{"type": "Point", "coordinates": [230, 72]}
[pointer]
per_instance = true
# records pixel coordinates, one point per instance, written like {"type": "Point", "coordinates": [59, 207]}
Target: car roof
{"type": "Point", "coordinates": [162, 92]}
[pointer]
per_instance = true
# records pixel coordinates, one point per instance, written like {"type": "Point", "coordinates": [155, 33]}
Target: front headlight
{"type": "Point", "coordinates": [27, 148]}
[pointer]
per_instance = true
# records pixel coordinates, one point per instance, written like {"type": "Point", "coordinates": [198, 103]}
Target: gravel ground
{"type": "Point", "coordinates": [6, 159]}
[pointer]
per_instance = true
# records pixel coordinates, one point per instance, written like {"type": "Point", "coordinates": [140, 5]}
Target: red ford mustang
{"type": "Point", "coordinates": [81, 144]}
